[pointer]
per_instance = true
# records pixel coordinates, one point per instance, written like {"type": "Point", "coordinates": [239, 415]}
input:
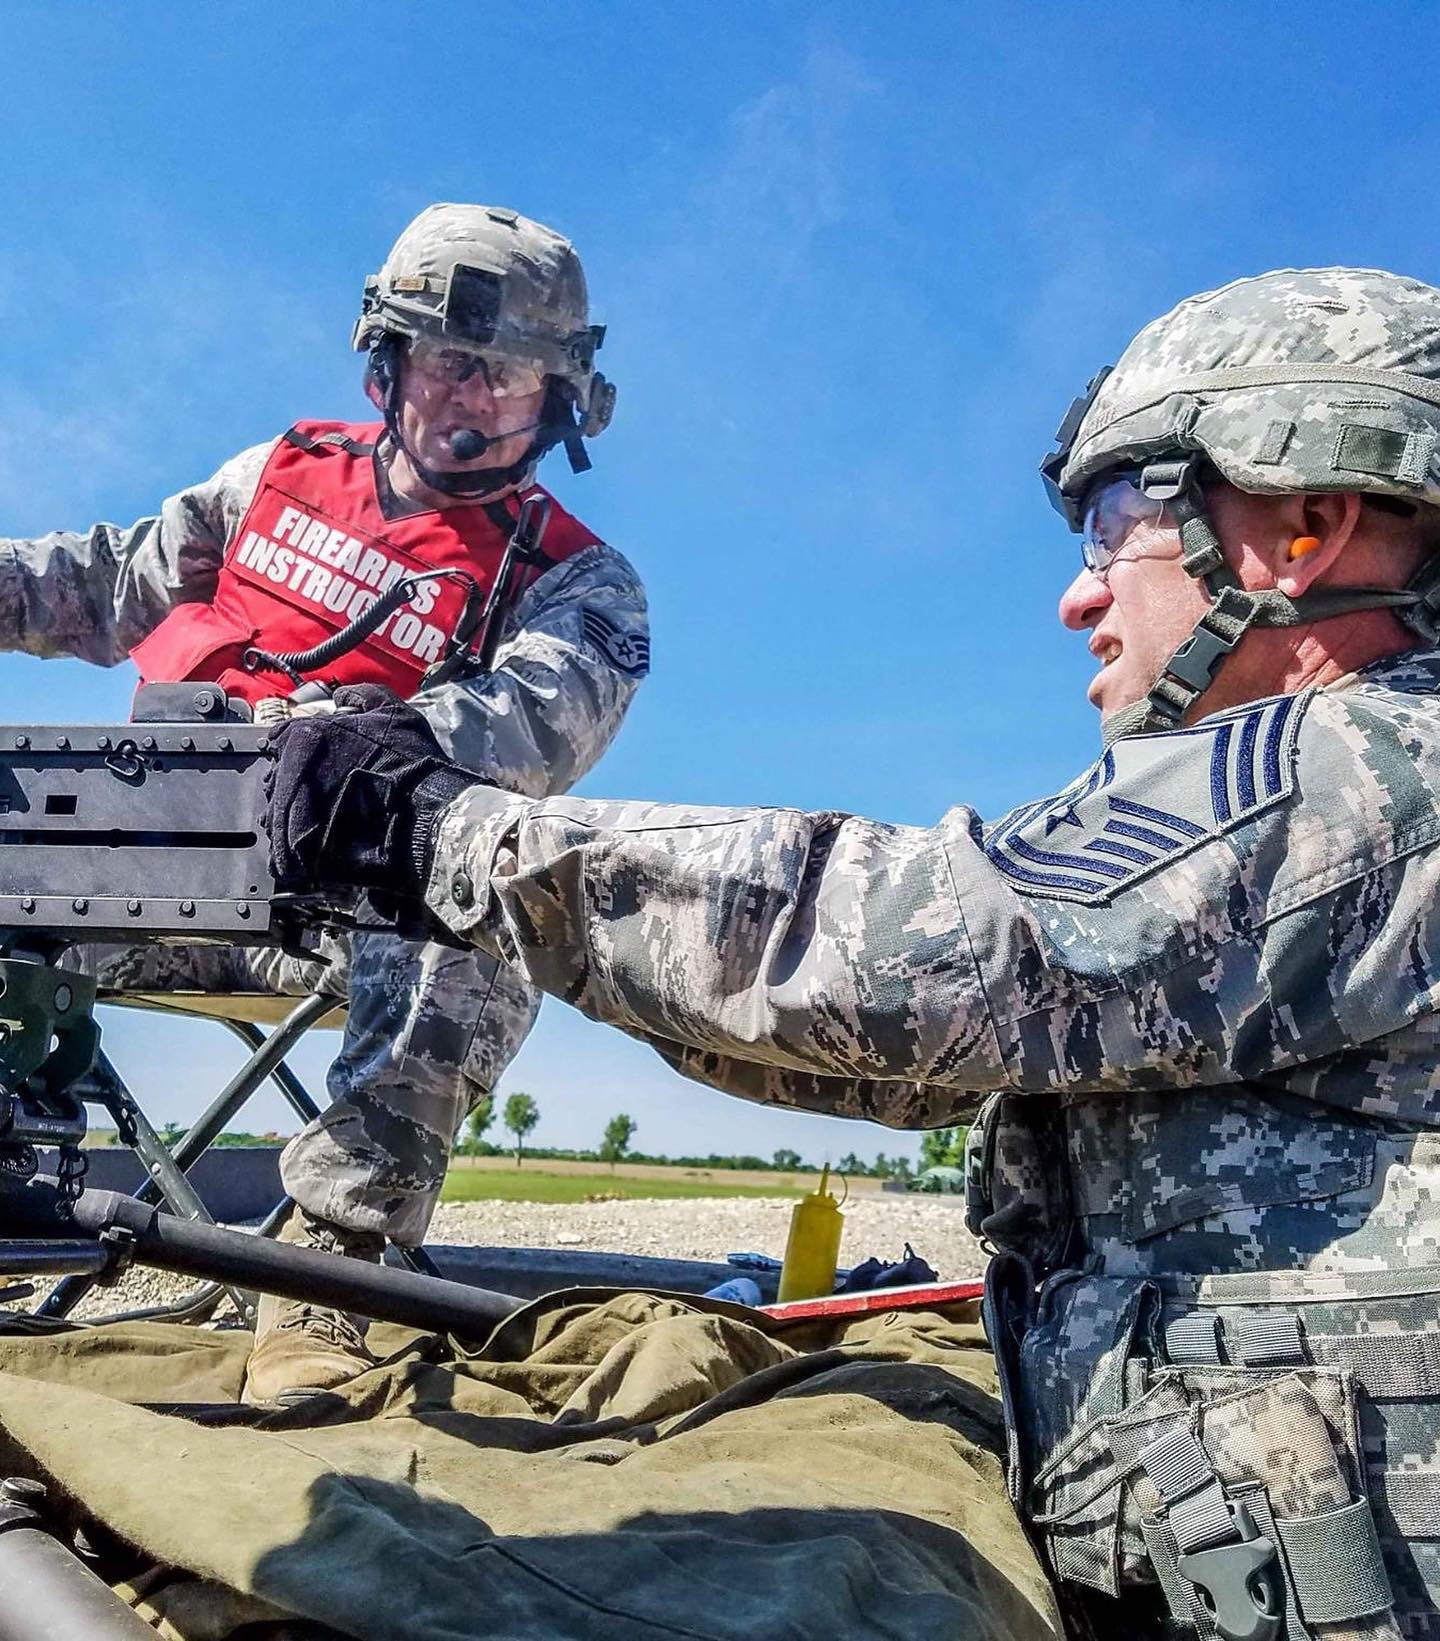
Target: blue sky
{"type": "Point", "coordinates": [855, 260]}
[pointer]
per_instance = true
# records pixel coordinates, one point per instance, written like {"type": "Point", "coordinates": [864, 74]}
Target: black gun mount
{"type": "Point", "coordinates": [148, 831]}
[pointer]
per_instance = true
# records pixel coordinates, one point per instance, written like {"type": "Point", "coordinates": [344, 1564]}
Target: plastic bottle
{"type": "Point", "coordinates": [813, 1249]}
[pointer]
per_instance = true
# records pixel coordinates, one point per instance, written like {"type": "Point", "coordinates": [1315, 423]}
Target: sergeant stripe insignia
{"type": "Point", "coordinates": [628, 651]}
{"type": "Point", "coordinates": [1150, 800]}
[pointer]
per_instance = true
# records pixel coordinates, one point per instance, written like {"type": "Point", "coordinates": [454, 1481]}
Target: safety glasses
{"type": "Point", "coordinates": [1112, 511]}
{"type": "Point", "coordinates": [505, 378]}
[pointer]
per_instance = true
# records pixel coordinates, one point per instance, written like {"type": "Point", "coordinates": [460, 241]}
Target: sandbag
{"type": "Point", "coordinates": [606, 1466]}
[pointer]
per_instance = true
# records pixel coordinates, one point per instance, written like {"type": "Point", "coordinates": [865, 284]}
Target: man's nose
{"type": "Point", "coordinates": [1084, 601]}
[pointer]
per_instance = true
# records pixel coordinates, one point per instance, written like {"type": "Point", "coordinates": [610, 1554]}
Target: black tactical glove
{"type": "Point", "coordinates": [355, 794]}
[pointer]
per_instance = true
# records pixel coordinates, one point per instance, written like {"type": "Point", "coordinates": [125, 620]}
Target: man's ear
{"type": "Point", "coordinates": [1322, 525]}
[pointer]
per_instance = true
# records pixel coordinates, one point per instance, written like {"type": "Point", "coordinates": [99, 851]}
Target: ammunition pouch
{"type": "Point", "coordinates": [1260, 1448]}
{"type": "Point", "coordinates": [1240, 1488]}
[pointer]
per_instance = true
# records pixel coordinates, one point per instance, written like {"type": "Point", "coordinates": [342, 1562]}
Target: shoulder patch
{"type": "Point", "coordinates": [1150, 800]}
{"type": "Point", "coordinates": [628, 652]}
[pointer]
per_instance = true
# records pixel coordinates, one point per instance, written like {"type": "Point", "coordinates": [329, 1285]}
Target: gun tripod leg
{"type": "Point", "coordinates": [267, 1060]}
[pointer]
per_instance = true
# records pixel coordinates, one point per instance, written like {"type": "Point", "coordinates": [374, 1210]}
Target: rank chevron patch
{"type": "Point", "coordinates": [629, 651]}
{"type": "Point", "coordinates": [1150, 800]}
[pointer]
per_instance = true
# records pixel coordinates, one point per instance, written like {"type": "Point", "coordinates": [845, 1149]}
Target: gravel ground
{"type": "Point", "coordinates": [711, 1227]}
{"type": "Point", "coordinates": [683, 1228]}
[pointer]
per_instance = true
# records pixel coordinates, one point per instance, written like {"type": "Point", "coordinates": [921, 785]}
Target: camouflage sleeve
{"type": "Point", "coordinates": [577, 647]}
{"type": "Point", "coordinates": [96, 594]}
{"type": "Point", "coordinates": [1199, 907]}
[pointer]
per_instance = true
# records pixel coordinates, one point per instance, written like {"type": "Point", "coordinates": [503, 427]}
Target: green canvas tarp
{"type": "Point", "coordinates": [607, 1465]}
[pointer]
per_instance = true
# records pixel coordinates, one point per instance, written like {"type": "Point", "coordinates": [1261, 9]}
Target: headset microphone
{"type": "Point", "coordinates": [466, 443]}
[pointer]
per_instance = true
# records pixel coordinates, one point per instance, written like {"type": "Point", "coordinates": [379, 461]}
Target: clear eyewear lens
{"type": "Point", "coordinates": [509, 380]}
{"type": "Point", "coordinates": [1111, 514]}
{"type": "Point", "coordinates": [505, 378]}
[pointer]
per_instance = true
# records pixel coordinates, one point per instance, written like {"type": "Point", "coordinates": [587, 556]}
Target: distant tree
{"type": "Point", "coordinates": [851, 1166]}
{"type": "Point", "coordinates": [785, 1161]}
{"type": "Point", "coordinates": [901, 1168]}
{"type": "Point", "coordinates": [935, 1146]}
{"type": "Point", "coordinates": [619, 1131]}
{"type": "Point", "coordinates": [943, 1148]}
{"type": "Point", "coordinates": [881, 1166]}
{"type": "Point", "coordinates": [481, 1116]}
{"type": "Point", "coordinates": [521, 1115]}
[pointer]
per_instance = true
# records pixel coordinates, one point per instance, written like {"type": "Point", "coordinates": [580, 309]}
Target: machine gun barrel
{"type": "Point", "coordinates": [53, 1593]}
{"type": "Point", "coordinates": [193, 1248]}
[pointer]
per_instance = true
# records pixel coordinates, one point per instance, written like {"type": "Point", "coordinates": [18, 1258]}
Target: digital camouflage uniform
{"type": "Point", "coordinates": [429, 1029]}
{"type": "Point", "coordinates": [1199, 987]}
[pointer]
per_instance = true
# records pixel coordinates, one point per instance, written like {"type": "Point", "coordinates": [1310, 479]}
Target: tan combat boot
{"type": "Point", "coordinates": [302, 1348]}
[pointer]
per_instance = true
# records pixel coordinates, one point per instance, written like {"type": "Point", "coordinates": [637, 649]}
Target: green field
{"type": "Point", "coordinates": [533, 1185]}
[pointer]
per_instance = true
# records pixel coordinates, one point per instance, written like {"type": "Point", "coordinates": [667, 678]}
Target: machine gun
{"type": "Point", "coordinates": [147, 831]}
{"type": "Point", "coordinates": [153, 831]}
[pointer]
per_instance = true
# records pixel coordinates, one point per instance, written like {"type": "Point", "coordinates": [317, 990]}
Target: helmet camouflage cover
{"type": "Point", "coordinates": [486, 279]}
{"type": "Point", "coordinates": [1300, 380]}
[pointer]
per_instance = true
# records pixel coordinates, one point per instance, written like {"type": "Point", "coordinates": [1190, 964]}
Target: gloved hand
{"type": "Point", "coordinates": [354, 796]}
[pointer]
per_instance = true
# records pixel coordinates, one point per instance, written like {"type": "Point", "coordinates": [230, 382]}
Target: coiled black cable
{"type": "Point", "coordinates": [297, 662]}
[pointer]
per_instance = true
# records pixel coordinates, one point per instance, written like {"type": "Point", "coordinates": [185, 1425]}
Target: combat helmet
{"type": "Point", "coordinates": [1301, 380]}
{"type": "Point", "coordinates": [484, 279]}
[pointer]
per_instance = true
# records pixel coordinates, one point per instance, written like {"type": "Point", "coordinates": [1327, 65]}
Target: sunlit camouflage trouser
{"type": "Point", "coordinates": [429, 1031]}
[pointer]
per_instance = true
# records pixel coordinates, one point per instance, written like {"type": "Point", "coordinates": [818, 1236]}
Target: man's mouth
{"type": "Point", "coordinates": [1106, 650]}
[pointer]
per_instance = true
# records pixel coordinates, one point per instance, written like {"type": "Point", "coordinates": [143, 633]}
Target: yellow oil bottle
{"type": "Point", "coordinates": [812, 1250]}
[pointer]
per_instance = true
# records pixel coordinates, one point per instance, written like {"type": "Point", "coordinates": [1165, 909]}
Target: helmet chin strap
{"type": "Point", "coordinates": [1234, 609]}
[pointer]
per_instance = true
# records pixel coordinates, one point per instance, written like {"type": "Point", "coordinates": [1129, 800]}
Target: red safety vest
{"type": "Point", "coordinates": [314, 551]}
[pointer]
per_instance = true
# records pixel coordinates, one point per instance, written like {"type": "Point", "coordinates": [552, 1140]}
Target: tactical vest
{"type": "Point", "coordinates": [1216, 1314]}
{"type": "Point", "coordinates": [315, 550]}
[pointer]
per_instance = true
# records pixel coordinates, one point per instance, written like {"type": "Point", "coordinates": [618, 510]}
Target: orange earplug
{"type": "Point", "coordinates": [1302, 545]}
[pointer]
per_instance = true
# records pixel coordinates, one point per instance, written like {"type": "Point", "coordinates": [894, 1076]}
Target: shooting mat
{"type": "Point", "coordinates": [608, 1466]}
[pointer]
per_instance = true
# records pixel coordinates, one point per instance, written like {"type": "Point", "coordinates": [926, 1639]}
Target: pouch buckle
{"type": "Point", "coordinates": [1239, 1583]}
